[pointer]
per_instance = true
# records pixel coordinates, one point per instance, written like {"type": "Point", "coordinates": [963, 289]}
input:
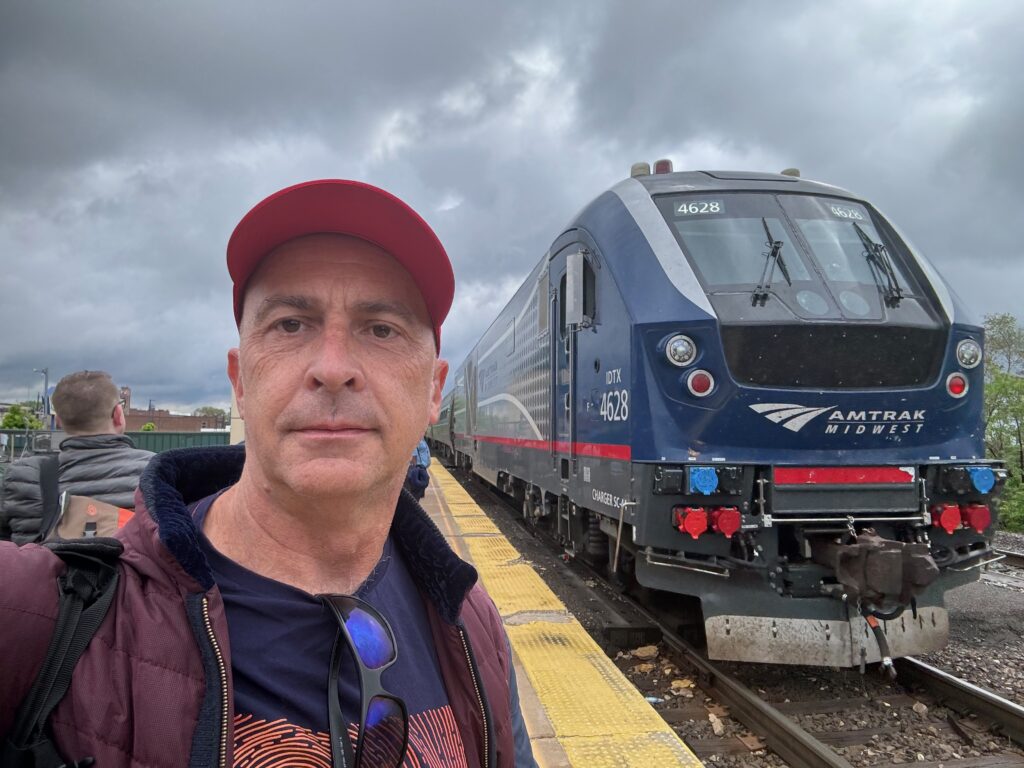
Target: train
{"type": "Point", "coordinates": [752, 390]}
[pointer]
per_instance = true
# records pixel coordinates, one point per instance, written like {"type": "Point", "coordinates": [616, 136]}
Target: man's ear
{"type": "Point", "coordinates": [437, 386]}
{"type": "Point", "coordinates": [119, 418]}
{"type": "Point", "coordinates": [235, 376]}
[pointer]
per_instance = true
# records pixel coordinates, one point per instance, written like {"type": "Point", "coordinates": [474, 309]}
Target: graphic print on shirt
{"type": "Point", "coordinates": [434, 742]}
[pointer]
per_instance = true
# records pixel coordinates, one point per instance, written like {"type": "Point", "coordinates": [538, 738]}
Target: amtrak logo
{"type": "Point", "coordinates": [791, 416]}
{"type": "Point", "coordinates": [795, 417]}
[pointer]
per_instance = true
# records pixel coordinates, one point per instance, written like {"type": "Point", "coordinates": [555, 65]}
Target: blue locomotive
{"type": "Point", "coordinates": [751, 389]}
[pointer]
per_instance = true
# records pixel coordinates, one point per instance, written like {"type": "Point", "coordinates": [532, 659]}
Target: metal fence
{"type": "Point", "coordinates": [17, 443]}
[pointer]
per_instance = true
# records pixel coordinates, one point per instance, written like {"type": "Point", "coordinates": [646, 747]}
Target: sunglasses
{"type": "Point", "coordinates": [383, 718]}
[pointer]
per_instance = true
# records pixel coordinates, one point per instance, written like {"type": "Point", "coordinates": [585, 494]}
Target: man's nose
{"type": "Point", "coordinates": [336, 364]}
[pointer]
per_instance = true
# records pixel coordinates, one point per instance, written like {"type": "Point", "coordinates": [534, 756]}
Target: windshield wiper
{"type": "Point", "coordinates": [882, 270]}
{"type": "Point", "coordinates": [772, 257]}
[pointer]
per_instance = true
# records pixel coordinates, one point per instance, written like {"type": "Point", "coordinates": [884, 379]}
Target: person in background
{"type": "Point", "coordinates": [417, 479]}
{"type": "Point", "coordinates": [96, 459]}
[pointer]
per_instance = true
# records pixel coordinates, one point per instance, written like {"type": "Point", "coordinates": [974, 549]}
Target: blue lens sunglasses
{"type": "Point", "coordinates": [383, 718]}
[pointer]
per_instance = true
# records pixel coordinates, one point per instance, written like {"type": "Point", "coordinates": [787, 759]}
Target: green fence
{"type": "Point", "coordinates": [165, 441]}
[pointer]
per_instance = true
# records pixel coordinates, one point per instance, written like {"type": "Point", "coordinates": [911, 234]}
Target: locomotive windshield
{"type": "Point", "coordinates": [818, 257]}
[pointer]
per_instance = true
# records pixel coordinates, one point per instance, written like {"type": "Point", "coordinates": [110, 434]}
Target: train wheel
{"type": "Point", "coordinates": [596, 543]}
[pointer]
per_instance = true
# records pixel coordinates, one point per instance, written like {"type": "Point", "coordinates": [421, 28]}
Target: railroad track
{"type": "Point", "coordinates": [776, 727]}
{"type": "Point", "coordinates": [1014, 559]}
{"type": "Point", "coordinates": [1007, 570]}
{"type": "Point", "coordinates": [779, 732]}
{"type": "Point", "coordinates": [1005, 717]}
{"type": "Point", "coordinates": [982, 711]}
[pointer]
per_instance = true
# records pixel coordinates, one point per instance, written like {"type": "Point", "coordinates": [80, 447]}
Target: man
{"type": "Point", "coordinates": [96, 459]}
{"type": "Point", "coordinates": [285, 603]}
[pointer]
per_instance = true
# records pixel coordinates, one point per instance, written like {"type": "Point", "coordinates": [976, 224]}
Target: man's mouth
{"type": "Point", "coordinates": [332, 429]}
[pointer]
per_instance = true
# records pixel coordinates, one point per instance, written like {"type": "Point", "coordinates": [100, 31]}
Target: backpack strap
{"type": "Point", "coordinates": [87, 588]}
{"type": "Point", "coordinates": [50, 492]}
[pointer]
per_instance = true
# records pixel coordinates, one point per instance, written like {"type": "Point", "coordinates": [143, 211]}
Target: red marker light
{"type": "Point", "coordinates": [691, 520]}
{"type": "Point", "coordinates": [956, 385]}
{"type": "Point", "coordinates": [663, 166]}
{"type": "Point", "coordinates": [700, 383]}
{"type": "Point", "coordinates": [725, 520]}
{"type": "Point", "coordinates": [977, 516]}
{"type": "Point", "coordinates": [947, 517]}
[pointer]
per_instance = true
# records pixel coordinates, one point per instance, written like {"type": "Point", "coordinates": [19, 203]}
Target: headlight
{"type": "Point", "coordinates": [968, 352]}
{"type": "Point", "coordinates": [680, 350]}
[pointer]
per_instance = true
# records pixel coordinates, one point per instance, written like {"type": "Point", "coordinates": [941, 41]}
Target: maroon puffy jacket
{"type": "Point", "coordinates": [153, 689]}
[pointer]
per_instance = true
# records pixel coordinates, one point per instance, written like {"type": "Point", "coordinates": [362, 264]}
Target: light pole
{"type": "Point", "coordinates": [45, 373]}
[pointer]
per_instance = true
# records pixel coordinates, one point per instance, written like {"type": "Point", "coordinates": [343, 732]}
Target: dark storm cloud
{"type": "Point", "coordinates": [915, 106]}
{"type": "Point", "coordinates": [133, 137]}
{"type": "Point", "coordinates": [98, 80]}
{"type": "Point", "coordinates": [134, 140]}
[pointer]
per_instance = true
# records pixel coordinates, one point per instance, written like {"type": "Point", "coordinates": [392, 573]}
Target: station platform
{"type": "Point", "coordinates": [578, 707]}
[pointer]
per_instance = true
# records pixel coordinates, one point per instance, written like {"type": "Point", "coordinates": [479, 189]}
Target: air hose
{"type": "Point", "coordinates": [883, 645]}
{"type": "Point", "coordinates": [883, 616]}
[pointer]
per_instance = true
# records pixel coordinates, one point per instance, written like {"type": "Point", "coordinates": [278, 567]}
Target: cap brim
{"type": "Point", "coordinates": [346, 208]}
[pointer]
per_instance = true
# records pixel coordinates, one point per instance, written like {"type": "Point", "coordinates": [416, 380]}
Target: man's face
{"type": "Point", "coordinates": [336, 374]}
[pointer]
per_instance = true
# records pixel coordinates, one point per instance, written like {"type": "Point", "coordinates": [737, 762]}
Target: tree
{"type": "Point", "coordinates": [18, 417]}
{"type": "Point", "coordinates": [209, 410]}
{"type": "Point", "coordinates": [149, 426]}
{"type": "Point", "coordinates": [216, 417]}
{"type": "Point", "coordinates": [1004, 344]}
{"type": "Point", "coordinates": [1004, 409]}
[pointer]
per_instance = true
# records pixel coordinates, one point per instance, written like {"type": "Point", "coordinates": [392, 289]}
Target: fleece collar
{"type": "Point", "coordinates": [173, 480]}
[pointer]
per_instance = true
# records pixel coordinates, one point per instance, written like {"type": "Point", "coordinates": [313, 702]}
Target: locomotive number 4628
{"type": "Point", "coordinates": [615, 405]}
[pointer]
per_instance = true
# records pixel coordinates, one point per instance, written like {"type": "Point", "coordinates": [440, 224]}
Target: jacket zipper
{"type": "Point", "coordinates": [223, 684]}
{"type": "Point", "coordinates": [479, 697]}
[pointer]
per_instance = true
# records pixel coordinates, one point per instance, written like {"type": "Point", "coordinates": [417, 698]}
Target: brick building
{"type": "Point", "coordinates": [164, 420]}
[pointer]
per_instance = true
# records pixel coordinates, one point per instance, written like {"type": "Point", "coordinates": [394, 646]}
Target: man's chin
{"type": "Point", "coordinates": [325, 478]}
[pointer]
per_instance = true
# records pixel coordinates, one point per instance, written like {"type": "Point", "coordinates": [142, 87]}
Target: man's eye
{"type": "Point", "coordinates": [382, 331]}
{"type": "Point", "coordinates": [290, 326]}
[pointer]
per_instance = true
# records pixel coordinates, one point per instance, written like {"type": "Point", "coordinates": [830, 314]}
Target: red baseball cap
{"type": "Point", "coordinates": [346, 208]}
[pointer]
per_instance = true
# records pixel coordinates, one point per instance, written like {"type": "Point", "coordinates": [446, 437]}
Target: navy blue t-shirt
{"type": "Point", "coordinates": [281, 640]}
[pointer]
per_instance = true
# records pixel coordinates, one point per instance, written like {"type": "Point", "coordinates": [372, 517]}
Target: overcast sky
{"type": "Point", "coordinates": [133, 136]}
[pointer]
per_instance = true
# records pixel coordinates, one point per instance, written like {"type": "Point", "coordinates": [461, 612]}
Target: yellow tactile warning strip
{"type": "Point", "coordinates": [491, 552]}
{"type": "Point", "coordinates": [465, 509]}
{"type": "Point", "coordinates": [578, 707]}
{"type": "Point", "coordinates": [470, 524]}
{"type": "Point", "coordinates": [515, 588]}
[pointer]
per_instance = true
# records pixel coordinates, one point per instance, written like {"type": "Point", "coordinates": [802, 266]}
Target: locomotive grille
{"type": "Point", "coordinates": [833, 356]}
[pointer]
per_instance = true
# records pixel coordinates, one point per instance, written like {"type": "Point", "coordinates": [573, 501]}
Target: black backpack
{"type": "Point", "coordinates": [87, 588]}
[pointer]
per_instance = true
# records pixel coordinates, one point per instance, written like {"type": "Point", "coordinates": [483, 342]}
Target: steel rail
{"type": "Point", "coordinates": [1016, 559]}
{"type": "Point", "coordinates": [964, 697]}
{"type": "Point", "coordinates": [783, 736]}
